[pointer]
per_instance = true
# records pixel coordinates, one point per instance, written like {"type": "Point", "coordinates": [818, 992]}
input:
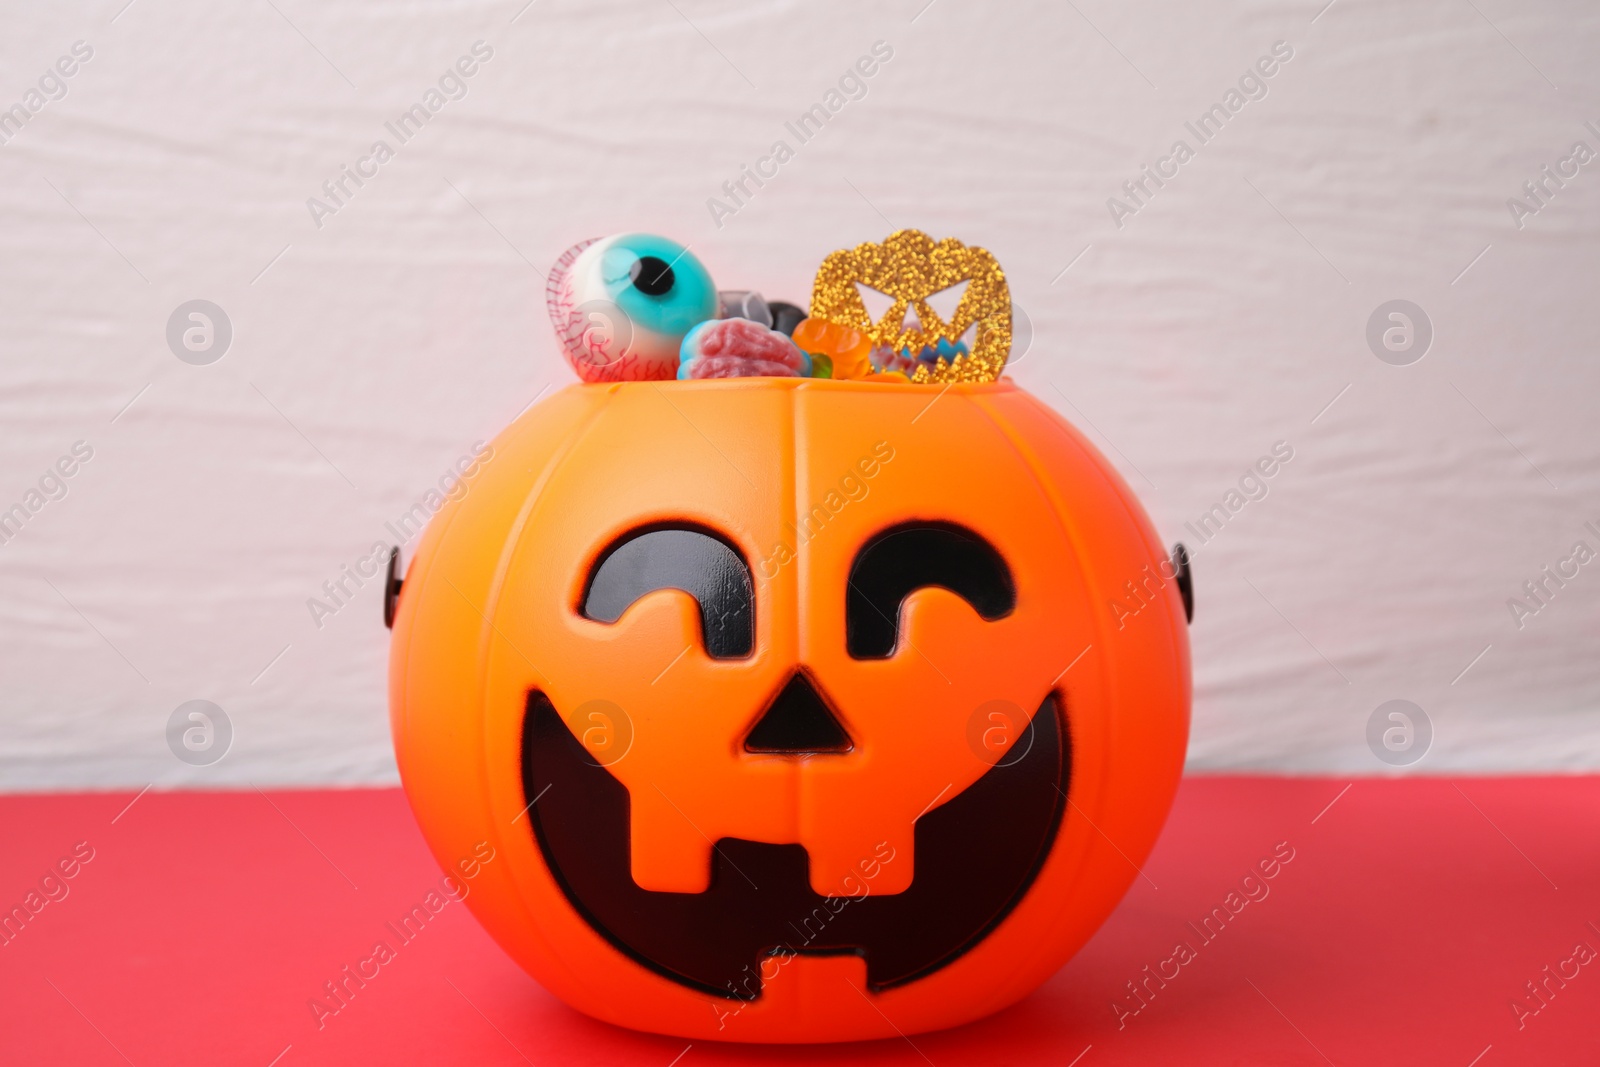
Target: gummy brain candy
{"type": "Point", "coordinates": [740, 348]}
{"type": "Point", "coordinates": [621, 305]}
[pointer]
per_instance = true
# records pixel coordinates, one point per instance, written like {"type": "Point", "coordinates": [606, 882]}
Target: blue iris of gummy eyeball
{"type": "Point", "coordinates": [657, 282]}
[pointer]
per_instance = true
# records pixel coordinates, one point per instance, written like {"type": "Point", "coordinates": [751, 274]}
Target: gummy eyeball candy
{"type": "Point", "coordinates": [621, 305]}
{"type": "Point", "coordinates": [739, 348]}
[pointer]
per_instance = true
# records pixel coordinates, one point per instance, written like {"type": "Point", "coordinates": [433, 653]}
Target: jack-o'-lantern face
{"type": "Point", "coordinates": [774, 693]}
{"type": "Point", "coordinates": [816, 779]}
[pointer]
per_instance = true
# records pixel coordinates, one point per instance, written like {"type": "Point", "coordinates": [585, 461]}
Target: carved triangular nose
{"type": "Point", "coordinates": [798, 722]}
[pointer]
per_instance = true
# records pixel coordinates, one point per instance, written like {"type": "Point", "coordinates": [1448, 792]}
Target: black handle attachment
{"type": "Point", "coordinates": [391, 588]}
{"type": "Point", "coordinates": [1184, 578]}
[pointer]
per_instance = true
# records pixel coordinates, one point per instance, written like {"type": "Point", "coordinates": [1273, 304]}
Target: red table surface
{"type": "Point", "coordinates": [1407, 925]}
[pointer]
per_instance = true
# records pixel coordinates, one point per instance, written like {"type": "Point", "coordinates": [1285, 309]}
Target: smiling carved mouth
{"type": "Point", "coordinates": [975, 857]}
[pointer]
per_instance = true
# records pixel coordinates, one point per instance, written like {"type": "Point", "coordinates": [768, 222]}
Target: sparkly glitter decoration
{"type": "Point", "coordinates": [909, 267]}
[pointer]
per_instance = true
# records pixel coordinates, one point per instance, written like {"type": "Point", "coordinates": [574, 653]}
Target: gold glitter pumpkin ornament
{"type": "Point", "coordinates": [909, 266]}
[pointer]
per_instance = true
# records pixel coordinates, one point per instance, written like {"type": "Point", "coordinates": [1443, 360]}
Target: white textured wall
{"type": "Point", "coordinates": [1220, 318]}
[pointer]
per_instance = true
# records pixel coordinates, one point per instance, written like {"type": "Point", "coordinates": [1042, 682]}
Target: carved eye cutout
{"type": "Point", "coordinates": [704, 566]}
{"type": "Point", "coordinates": [877, 302]}
{"type": "Point", "coordinates": [906, 558]}
{"type": "Point", "coordinates": [947, 301]}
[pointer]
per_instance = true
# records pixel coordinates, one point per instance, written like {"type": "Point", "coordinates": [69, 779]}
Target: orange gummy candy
{"type": "Point", "coordinates": [847, 348]}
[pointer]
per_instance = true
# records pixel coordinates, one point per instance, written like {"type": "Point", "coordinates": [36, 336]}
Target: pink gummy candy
{"type": "Point", "coordinates": [740, 348]}
{"type": "Point", "coordinates": [739, 367]}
